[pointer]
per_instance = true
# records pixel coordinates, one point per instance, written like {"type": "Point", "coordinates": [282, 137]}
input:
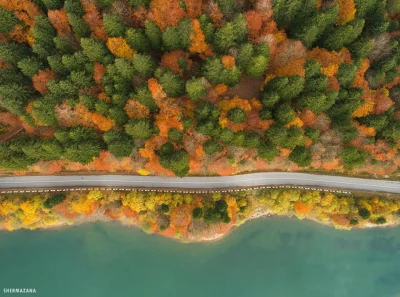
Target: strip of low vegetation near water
{"type": "Point", "coordinates": [194, 217]}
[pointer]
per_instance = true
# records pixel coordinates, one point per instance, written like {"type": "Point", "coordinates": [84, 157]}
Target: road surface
{"type": "Point", "coordinates": [245, 180]}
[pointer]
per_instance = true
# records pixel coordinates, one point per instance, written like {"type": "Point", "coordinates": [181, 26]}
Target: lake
{"type": "Point", "coordinates": [276, 257]}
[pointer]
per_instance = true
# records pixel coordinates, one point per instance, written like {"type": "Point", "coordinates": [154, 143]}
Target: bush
{"type": "Point", "coordinates": [301, 156]}
{"type": "Point", "coordinates": [312, 133]}
{"type": "Point", "coordinates": [54, 200]}
{"type": "Point", "coordinates": [164, 208]}
{"type": "Point", "coordinates": [353, 222]}
{"type": "Point", "coordinates": [197, 213]}
{"type": "Point", "coordinates": [267, 152]}
{"type": "Point", "coordinates": [353, 157]}
{"type": "Point", "coordinates": [211, 147]}
{"type": "Point", "coordinates": [381, 220]}
{"type": "Point", "coordinates": [364, 213]}
{"type": "Point", "coordinates": [119, 143]}
{"type": "Point", "coordinates": [176, 160]}
{"type": "Point", "coordinates": [175, 135]}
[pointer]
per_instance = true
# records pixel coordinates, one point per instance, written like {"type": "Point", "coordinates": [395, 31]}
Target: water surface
{"type": "Point", "coordinates": [273, 257]}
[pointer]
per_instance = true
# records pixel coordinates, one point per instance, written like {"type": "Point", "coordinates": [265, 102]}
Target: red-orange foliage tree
{"type": "Point", "coordinates": [40, 80]}
{"type": "Point", "coordinates": [166, 12]}
{"type": "Point", "coordinates": [59, 20]}
{"type": "Point", "coordinates": [93, 18]}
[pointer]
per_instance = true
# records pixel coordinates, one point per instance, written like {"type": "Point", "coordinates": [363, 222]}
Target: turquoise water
{"type": "Point", "coordinates": [274, 257]}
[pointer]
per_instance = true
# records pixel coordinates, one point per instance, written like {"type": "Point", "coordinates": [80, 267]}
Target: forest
{"type": "Point", "coordinates": [213, 87]}
{"type": "Point", "coordinates": [192, 216]}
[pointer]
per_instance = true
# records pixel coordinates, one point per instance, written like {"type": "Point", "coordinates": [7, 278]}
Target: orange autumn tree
{"type": "Point", "coordinates": [93, 18]}
{"type": "Point", "coordinates": [330, 60]}
{"type": "Point", "coordinates": [171, 60]}
{"type": "Point", "coordinates": [254, 23]}
{"type": "Point", "coordinates": [25, 10]}
{"type": "Point", "coordinates": [181, 217]}
{"type": "Point", "coordinates": [228, 61]}
{"type": "Point", "coordinates": [135, 109]}
{"type": "Point", "coordinates": [197, 39]}
{"type": "Point", "coordinates": [41, 79]}
{"type": "Point", "coordinates": [166, 12]}
{"type": "Point", "coordinates": [59, 20]}
{"type": "Point", "coordinates": [98, 72]}
{"type": "Point", "coordinates": [347, 11]}
{"type": "Point", "coordinates": [104, 123]}
{"type": "Point", "coordinates": [302, 208]}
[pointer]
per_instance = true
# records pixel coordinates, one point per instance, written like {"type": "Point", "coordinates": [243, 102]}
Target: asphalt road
{"type": "Point", "coordinates": [245, 180]}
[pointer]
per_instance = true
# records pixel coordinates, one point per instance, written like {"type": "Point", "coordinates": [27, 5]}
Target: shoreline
{"type": "Point", "coordinates": [258, 214]}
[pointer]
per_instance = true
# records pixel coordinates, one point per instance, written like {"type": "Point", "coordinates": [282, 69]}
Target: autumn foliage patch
{"type": "Point", "coordinates": [201, 87]}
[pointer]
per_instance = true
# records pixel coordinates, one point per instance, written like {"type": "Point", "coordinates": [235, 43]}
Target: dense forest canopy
{"type": "Point", "coordinates": [175, 87]}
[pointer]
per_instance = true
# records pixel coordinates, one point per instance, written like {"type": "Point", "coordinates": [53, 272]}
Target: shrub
{"type": "Point", "coordinates": [353, 222]}
{"type": "Point", "coordinates": [381, 220]}
{"type": "Point", "coordinates": [54, 200]}
{"type": "Point", "coordinates": [197, 213]}
{"type": "Point", "coordinates": [164, 208]}
{"type": "Point", "coordinates": [119, 143]}
{"type": "Point", "coordinates": [301, 156]}
{"type": "Point", "coordinates": [353, 157]}
{"type": "Point", "coordinates": [175, 135]}
{"type": "Point", "coordinates": [312, 133]}
{"type": "Point", "coordinates": [176, 160]}
{"type": "Point", "coordinates": [211, 147]}
{"type": "Point", "coordinates": [267, 152]}
{"type": "Point", "coordinates": [364, 213]}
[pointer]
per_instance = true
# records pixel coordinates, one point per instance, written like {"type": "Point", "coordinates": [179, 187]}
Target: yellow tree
{"type": "Point", "coordinates": [119, 47]}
